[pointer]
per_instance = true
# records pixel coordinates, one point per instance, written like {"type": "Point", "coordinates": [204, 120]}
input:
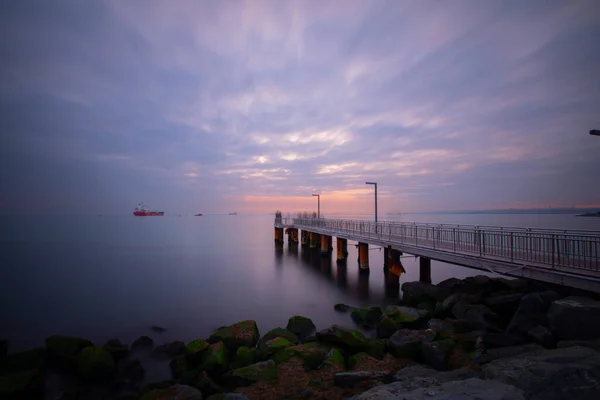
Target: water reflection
{"type": "Point", "coordinates": [278, 255]}
{"type": "Point", "coordinates": [363, 286]}
{"type": "Point", "coordinates": [341, 276]}
{"type": "Point", "coordinates": [391, 284]}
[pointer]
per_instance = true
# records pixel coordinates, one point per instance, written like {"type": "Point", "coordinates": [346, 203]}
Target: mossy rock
{"type": "Point", "coordinates": [273, 346]}
{"type": "Point", "coordinates": [387, 327]}
{"type": "Point", "coordinates": [405, 315]}
{"type": "Point", "coordinates": [279, 332]}
{"type": "Point", "coordinates": [283, 356]}
{"type": "Point", "coordinates": [244, 333]}
{"type": "Point", "coordinates": [312, 354]}
{"type": "Point", "coordinates": [366, 315]}
{"type": "Point", "coordinates": [334, 358]}
{"type": "Point", "coordinates": [22, 385]}
{"type": "Point", "coordinates": [206, 385]}
{"type": "Point", "coordinates": [23, 361]}
{"type": "Point", "coordinates": [356, 358]}
{"type": "Point", "coordinates": [262, 371]}
{"type": "Point", "coordinates": [174, 392]}
{"type": "Point", "coordinates": [337, 336]}
{"type": "Point", "coordinates": [243, 357]}
{"type": "Point", "coordinates": [216, 358]}
{"type": "Point", "coordinates": [94, 362]}
{"type": "Point", "coordinates": [64, 349]}
{"type": "Point", "coordinates": [178, 366]}
{"type": "Point", "coordinates": [376, 348]}
{"type": "Point", "coordinates": [149, 387]}
{"type": "Point", "coordinates": [117, 350]}
{"type": "Point", "coordinates": [195, 350]}
{"type": "Point", "coordinates": [301, 326]}
{"type": "Point", "coordinates": [227, 396]}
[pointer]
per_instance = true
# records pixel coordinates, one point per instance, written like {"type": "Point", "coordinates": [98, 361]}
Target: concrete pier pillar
{"type": "Point", "coordinates": [326, 247]}
{"type": "Point", "coordinates": [295, 236]}
{"type": "Point", "coordinates": [424, 269]}
{"type": "Point", "coordinates": [363, 256]}
{"type": "Point", "coordinates": [314, 240]}
{"type": "Point", "coordinates": [342, 250]}
{"type": "Point", "coordinates": [304, 238]}
{"type": "Point", "coordinates": [292, 236]}
{"type": "Point", "coordinates": [279, 235]}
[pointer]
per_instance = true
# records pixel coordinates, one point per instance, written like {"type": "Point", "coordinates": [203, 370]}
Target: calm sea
{"type": "Point", "coordinates": [102, 277]}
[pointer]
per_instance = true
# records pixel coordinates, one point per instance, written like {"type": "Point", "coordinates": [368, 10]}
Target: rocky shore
{"type": "Point", "coordinates": [477, 338]}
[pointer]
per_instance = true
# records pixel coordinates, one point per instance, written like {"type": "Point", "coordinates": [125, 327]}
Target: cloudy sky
{"type": "Point", "coordinates": [254, 105]}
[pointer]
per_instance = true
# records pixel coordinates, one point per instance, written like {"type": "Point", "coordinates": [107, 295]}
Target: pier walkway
{"type": "Point", "coordinates": [566, 257]}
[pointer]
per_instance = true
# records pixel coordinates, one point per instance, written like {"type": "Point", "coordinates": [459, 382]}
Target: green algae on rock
{"type": "Point", "coordinates": [333, 359]}
{"type": "Point", "coordinates": [343, 337]}
{"type": "Point", "coordinates": [262, 371]}
{"type": "Point", "coordinates": [194, 351]}
{"type": "Point", "coordinates": [273, 346]}
{"type": "Point", "coordinates": [366, 315]}
{"type": "Point", "coordinates": [216, 358]}
{"type": "Point", "coordinates": [301, 326]}
{"type": "Point", "coordinates": [243, 357]}
{"type": "Point", "coordinates": [244, 333]}
{"type": "Point", "coordinates": [312, 354]}
{"type": "Point", "coordinates": [94, 362]}
{"type": "Point", "coordinates": [279, 332]}
{"type": "Point", "coordinates": [179, 392]}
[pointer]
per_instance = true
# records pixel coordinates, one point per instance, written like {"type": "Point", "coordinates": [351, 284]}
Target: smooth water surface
{"type": "Point", "coordinates": [110, 276]}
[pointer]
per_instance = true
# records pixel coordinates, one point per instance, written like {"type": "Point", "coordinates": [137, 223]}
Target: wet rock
{"type": "Point", "coordinates": [131, 370]}
{"type": "Point", "coordinates": [169, 350]}
{"type": "Point", "coordinates": [23, 361]}
{"type": "Point", "coordinates": [375, 348]}
{"type": "Point", "coordinates": [542, 335]}
{"type": "Point", "coordinates": [342, 337]}
{"type": "Point", "coordinates": [157, 329]}
{"type": "Point", "coordinates": [64, 349]}
{"type": "Point", "coordinates": [507, 352]}
{"type": "Point", "coordinates": [442, 328]}
{"type": "Point", "coordinates": [178, 367]}
{"type": "Point", "coordinates": [530, 313]}
{"type": "Point", "coordinates": [333, 359]}
{"type": "Point", "coordinates": [435, 354]}
{"type": "Point", "coordinates": [117, 350]}
{"type": "Point", "coordinates": [387, 327]}
{"type": "Point", "coordinates": [481, 317]}
{"type": "Point", "coordinates": [303, 327]}
{"type": "Point", "coordinates": [244, 356]}
{"type": "Point", "coordinates": [273, 346]}
{"type": "Point", "coordinates": [575, 318]}
{"type": "Point", "coordinates": [279, 332]}
{"type": "Point", "coordinates": [493, 340]}
{"type": "Point", "coordinates": [449, 286]}
{"type": "Point", "coordinates": [346, 379]}
{"type": "Point", "coordinates": [195, 350]}
{"type": "Point", "coordinates": [504, 303]}
{"type": "Point", "coordinates": [207, 385]}
{"type": "Point", "coordinates": [95, 363]}
{"type": "Point", "coordinates": [592, 344]}
{"type": "Point", "coordinates": [216, 358]}
{"type": "Point", "coordinates": [461, 326]}
{"type": "Point", "coordinates": [262, 371]}
{"type": "Point", "coordinates": [342, 307]}
{"type": "Point", "coordinates": [179, 392]}
{"type": "Point", "coordinates": [366, 315]}
{"type": "Point", "coordinates": [244, 333]}
{"type": "Point", "coordinates": [406, 315]}
{"type": "Point", "coordinates": [406, 343]}
{"type": "Point", "coordinates": [142, 343]}
{"type": "Point", "coordinates": [414, 293]}
{"type": "Point", "coordinates": [22, 385]}
{"type": "Point", "coordinates": [312, 354]}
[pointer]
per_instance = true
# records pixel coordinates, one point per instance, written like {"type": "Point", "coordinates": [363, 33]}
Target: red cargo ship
{"type": "Point", "coordinates": [142, 211]}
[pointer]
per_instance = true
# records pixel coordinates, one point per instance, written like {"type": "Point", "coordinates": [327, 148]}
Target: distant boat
{"type": "Point", "coordinates": [142, 211]}
{"type": "Point", "coordinates": [233, 213]}
{"type": "Point", "coordinates": [590, 214]}
{"type": "Point", "coordinates": [198, 215]}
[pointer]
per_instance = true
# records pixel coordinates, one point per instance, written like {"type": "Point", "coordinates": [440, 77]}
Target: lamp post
{"type": "Point", "coordinates": [595, 132]}
{"type": "Point", "coordinates": [375, 184]}
{"type": "Point", "coordinates": [318, 205]}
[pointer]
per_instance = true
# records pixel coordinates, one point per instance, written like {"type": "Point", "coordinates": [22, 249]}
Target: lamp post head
{"type": "Point", "coordinates": [370, 183]}
{"type": "Point", "coordinates": [595, 132]}
{"type": "Point", "coordinates": [316, 195]}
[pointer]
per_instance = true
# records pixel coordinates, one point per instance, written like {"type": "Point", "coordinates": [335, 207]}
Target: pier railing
{"type": "Point", "coordinates": [576, 249]}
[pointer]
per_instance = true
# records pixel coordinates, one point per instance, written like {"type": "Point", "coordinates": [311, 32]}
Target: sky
{"type": "Point", "coordinates": [253, 106]}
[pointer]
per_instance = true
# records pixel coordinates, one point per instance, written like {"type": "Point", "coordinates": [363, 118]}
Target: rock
{"type": "Point", "coordinates": [207, 385]}
{"type": "Point", "coordinates": [310, 339]}
{"type": "Point", "coordinates": [342, 337]}
{"type": "Point", "coordinates": [22, 385]}
{"type": "Point", "coordinates": [442, 328]}
{"type": "Point", "coordinates": [142, 343]}
{"type": "Point", "coordinates": [301, 326]}
{"type": "Point", "coordinates": [178, 367]}
{"type": "Point", "coordinates": [23, 361]}
{"type": "Point", "coordinates": [169, 350]}
{"type": "Point", "coordinates": [567, 373]}
{"type": "Point", "coordinates": [435, 354]}
{"type": "Point", "coordinates": [493, 340]}
{"type": "Point", "coordinates": [507, 352]}
{"type": "Point", "coordinates": [413, 377]}
{"type": "Point", "coordinates": [481, 317]}
{"type": "Point", "coordinates": [333, 359]}
{"type": "Point", "coordinates": [366, 315]}
{"type": "Point", "coordinates": [262, 371]}
{"type": "Point", "coordinates": [244, 333]}
{"type": "Point", "coordinates": [504, 304]}
{"type": "Point", "coordinates": [592, 344]}
{"type": "Point", "coordinates": [312, 354]}
{"type": "Point", "coordinates": [387, 327]}
{"type": "Point", "coordinates": [179, 392]}
{"type": "Point", "coordinates": [542, 335]}
{"type": "Point", "coordinates": [194, 351]}
{"type": "Point", "coordinates": [279, 332]}
{"type": "Point", "coordinates": [346, 379]}
{"type": "Point", "coordinates": [3, 349]}
{"type": "Point", "coordinates": [228, 396]}
{"type": "Point", "coordinates": [406, 315]}
{"type": "Point", "coordinates": [64, 349]}
{"type": "Point", "coordinates": [461, 326]}
{"type": "Point", "coordinates": [216, 358]}
{"type": "Point", "coordinates": [530, 313]}
{"type": "Point", "coordinates": [414, 293]}
{"type": "Point", "coordinates": [152, 386]}
{"type": "Point", "coordinates": [575, 318]}
{"type": "Point", "coordinates": [132, 370]}
{"type": "Point", "coordinates": [375, 348]}
{"type": "Point", "coordinates": [157, 329]}
{"type": "Point", "coordinates": [273, 346]}
{"type": "Point", "coordinates": [342, 307]}
{"type": "Point", "coordinates": [449, 286]}
{"type": "Point", "coordinates": [244, 356]}
{"type": "Point", "coordinates": [306, 393]}
{"type": "Point", "coordinates": [117, 350]}
{"type": "Point", "coordinates": [406, 343]}
{"type": "Point", "coordinates": [95, 363]}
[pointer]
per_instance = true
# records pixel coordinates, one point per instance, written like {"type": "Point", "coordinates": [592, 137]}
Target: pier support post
{"type": "Point", "coordinates": [363, 256]}
{"type": "Point", "coordinates": [279, 235]}
{"type": "Point", "coordinates": [326, 247]}
{"type": "Point", "coordinates": [342, 250]}
{"type": "Point", "coordinates": [295, 236]}
{"type": "Point", "coordinates": [424, 269]}
{"type": "Point", "coordinates": [304, 238]}
{"type": "Point", "coordinates": [313, 239]}
{"type": "Point", "coordinates": [392, 261]}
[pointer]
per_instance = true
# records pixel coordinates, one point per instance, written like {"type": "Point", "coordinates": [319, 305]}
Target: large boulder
{"type": "Point", "coordinates": [142, 343]}
{"type": "Point", "coordinates": [334, 359]}
{"type": "Point", "coordinates": [301, 326]}
{"type": "Point", "coordinates": [216, 358]}
{"type": "Point", "coordinates": [415, 293]}
{"type": "Point", "coordinates": [64, 349]}
{"type": "Point", "coordinates": [368, 316]}
{"type": "Point", "coordinates": [436, 353]}
{"type": "Point", "coordinates": [244, 356]}
{"type": "Point", "coordinates": [312, 354]}
{"type": "Point", "coordinates": [244, 333]}
{"type": "Point", "coordinates": [342, 337]}
{"type": "Point", "coordinates": [94, 362]}
{"type": "Point", "coordinates": [194, 351]}
{"type": "Point", "coordinates": [23, 361]}
{"type": "Point", "coordinates": [575, 318]}
{"type": "Point", "coordinates": [504, 303]}
{"type": "Point", "coordinates": [279, 332]}
{"type": "Point", "coordinates": [22, 385]}
{"type": "Point", "coordinates": [530, 313]}
{"type": "Point", "coordinates": [481, 317]}
{"type": "Point", "coordinates": [117, 350]}
{"type": "Point", "coordinates": [387, 327]}
{"type": "Point", "coordinates": [407, 316]}
{"type": "Point", "coordinates": [179, 392]}
{"type": "Point", "coordinates": [407, 343]}
{"type": "Point", "coordinates": [262, 371]}
{"type": "Point", "coordinates": [273, 346]}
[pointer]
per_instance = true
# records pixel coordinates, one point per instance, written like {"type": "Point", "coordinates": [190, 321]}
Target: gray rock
{"type": "Point", "coordinates": [441, 327]}
{"type": "Point", "coordinates": [531, 313]}
{"type": "Point", "coordinates": [506, 352]}
{"type": "Point", "coordinates": [435, 354]}
{"type": "Point", "coordinates": [575, 318]}
{"type": "Point", "coordinates": [414, 293]}
{"type": "Point", "coordinates": [353, 377]}
{"type": "Point", "coordinates": [542, 335]}
{"type": "Point", "coordinates": [592, 344]}
{"type": "Point", "coordinates": [180, 392]}
{"type": "Point", "coordinates": [504, 303]}
{"type": "Point", "coordinates": [407, 343]}
{"type": "Point", "coordinates": [481, 317]}
{"type": "Point", "coordinates": [409, 314]}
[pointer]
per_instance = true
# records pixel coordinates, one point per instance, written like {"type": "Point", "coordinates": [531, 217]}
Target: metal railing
{"type": "Point", "coordinates": [577, 249]}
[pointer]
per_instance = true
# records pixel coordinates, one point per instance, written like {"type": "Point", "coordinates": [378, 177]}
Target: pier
{"type": "Point", "coordinates": [565, 257]}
